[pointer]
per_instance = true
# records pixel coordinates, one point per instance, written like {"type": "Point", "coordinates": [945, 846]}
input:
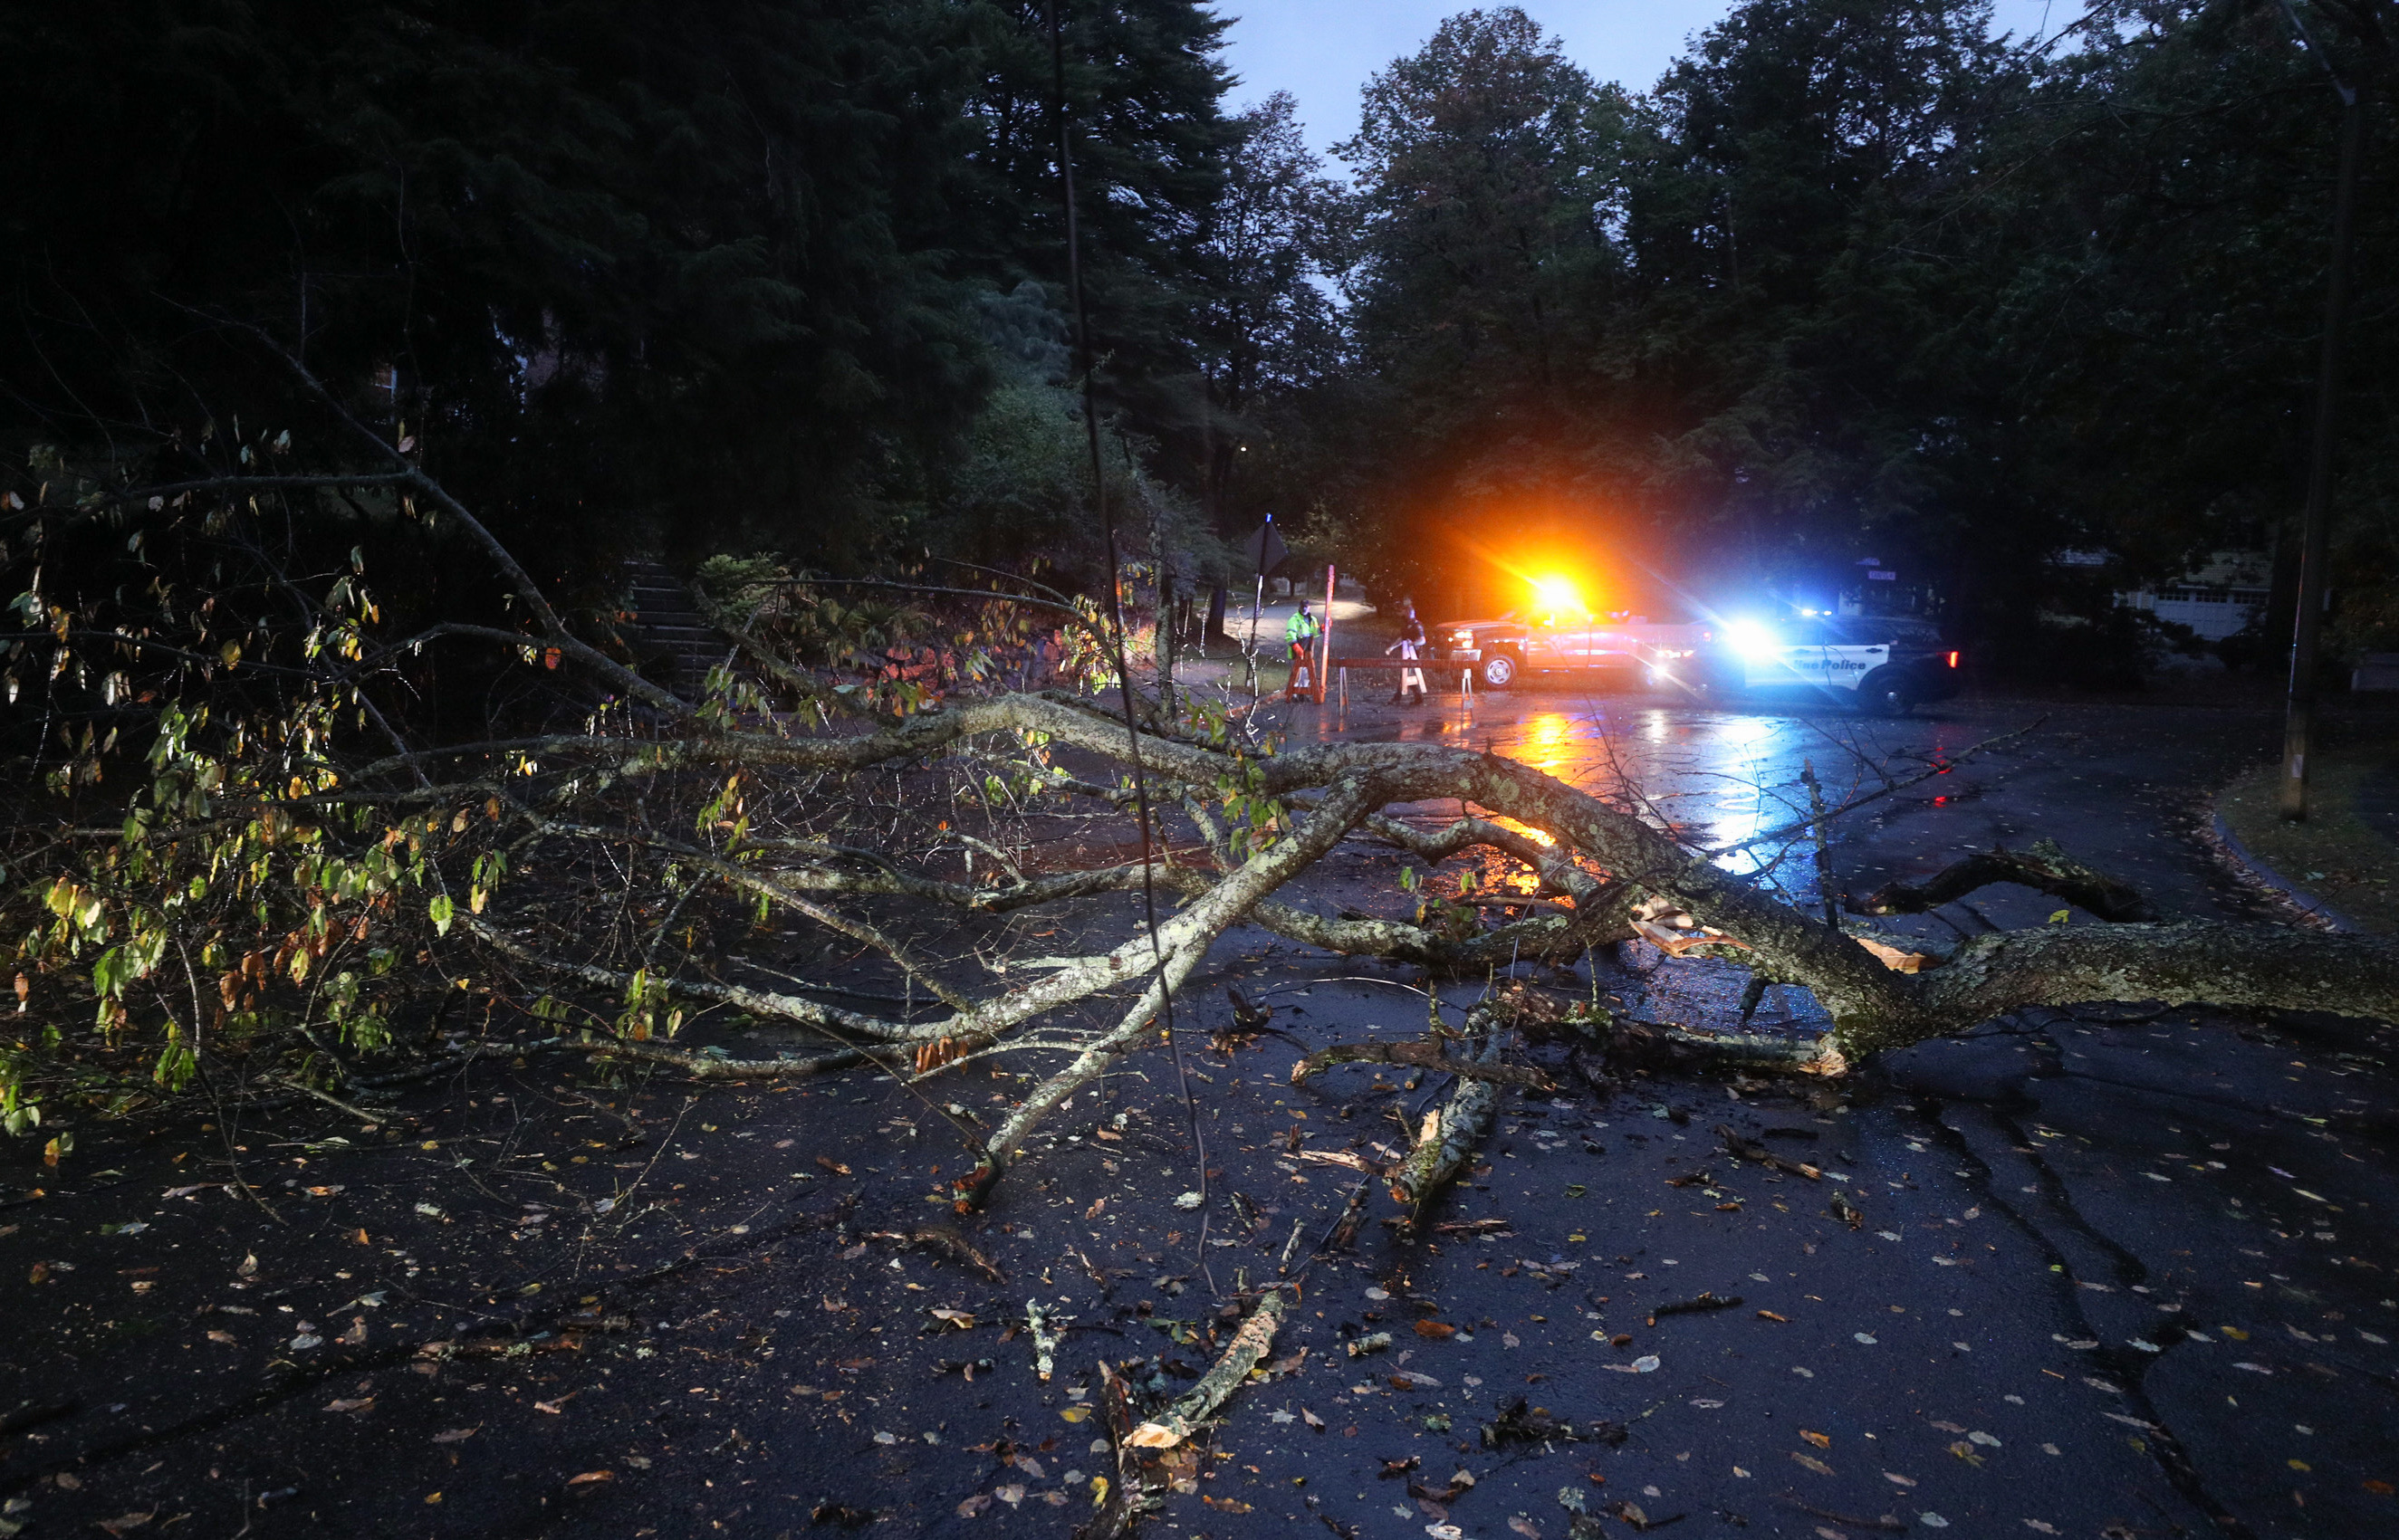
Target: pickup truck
{"type": "Point", "coordinates": [1630, 646]}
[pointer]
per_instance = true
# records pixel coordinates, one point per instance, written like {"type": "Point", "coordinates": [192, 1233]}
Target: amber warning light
{"type": "Point", "coordinates": [1557, 595]}
{"type": "Point", "coordinates": [1953, 660]}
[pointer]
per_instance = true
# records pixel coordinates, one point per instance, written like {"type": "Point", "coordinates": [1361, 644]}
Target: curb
{"type": "Point", "coordinates": [2308, 903]}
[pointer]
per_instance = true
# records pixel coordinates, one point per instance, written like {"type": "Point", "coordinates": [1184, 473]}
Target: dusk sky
{"type": "Point", "coordinates": [1321, 51]}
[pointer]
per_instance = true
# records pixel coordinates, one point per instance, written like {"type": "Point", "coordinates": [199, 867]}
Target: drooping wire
{"type": "Point", "coordinates": [1116, 616]}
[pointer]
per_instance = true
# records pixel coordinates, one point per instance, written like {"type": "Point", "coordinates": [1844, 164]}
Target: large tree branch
{"type": "Point", "coordinates": [2044, 867]}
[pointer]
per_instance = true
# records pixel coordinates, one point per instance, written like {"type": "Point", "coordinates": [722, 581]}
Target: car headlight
{"type": "Point", "coordinates": [1752, 640]}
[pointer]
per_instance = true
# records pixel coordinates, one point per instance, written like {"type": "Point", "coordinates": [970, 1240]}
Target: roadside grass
{"type": "Point", "coordinates": [2335, 855]}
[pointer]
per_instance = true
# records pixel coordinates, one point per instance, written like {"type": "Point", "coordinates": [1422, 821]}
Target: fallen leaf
{"type": "Point", "coordinates": [454, 1435]}
{"type": "Point", "coordinates": [359, 1405]}
{"type": "Point", "coordinates": [1225, 1504]}
{"type": "Point", "coordinates": [1897, 1478]}
{"type": "Point", "coordinates": [830, 1164]}
{"type": "Point", "coordinates": [1076, 1413]}
{"type": "Point", "coordinates": [958, 1318]}
{"type": "Point", "coordinates": [124, 1523]}
{"type": "Point", "coordinates": [590, 1475]}
{"type": "Point", "coordinates": [974, 1505]}
{"type": "Point", "coordinates": [1819, 1467]}
{"type": "Point", "coordinates": [1311, 1419]}
{"type": "Point", "coordinates": [1437, 1331]}
{"type": "Point", "coordinates": [1893, 958]}
{"type": "Point", "coordinates": [1525, 1527]}
{"type": "Point", "coordinates": [554, 1408]}
{"type": "Point", "coordinates": [1011, 1493]}
{"type": "Point", "coordinates": [220, 1336]}
{"type": "Point", "coordinates": [1770, 1316]}
{"type": "Point", "coordinates": [1821, 1441]}
{"type": "Point", "coordinates": [1645, 1364]}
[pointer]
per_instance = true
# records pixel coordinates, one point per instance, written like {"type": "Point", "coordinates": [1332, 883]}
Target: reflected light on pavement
{"type": "Point", "coordinates": [1546, 740]}
{"type": "Point", "coordinates": [1740, 732]}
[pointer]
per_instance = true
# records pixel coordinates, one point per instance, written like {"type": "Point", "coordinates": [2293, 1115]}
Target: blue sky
{"type": "Point", "coordinates": [1321, 51]}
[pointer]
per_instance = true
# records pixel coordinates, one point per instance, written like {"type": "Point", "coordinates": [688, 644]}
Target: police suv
{"type": "Point", "coordinates": [1890, 664]}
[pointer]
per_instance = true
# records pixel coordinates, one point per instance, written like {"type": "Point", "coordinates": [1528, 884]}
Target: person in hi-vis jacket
{"type": "Point", "coordinates": [1300, 630]}
{"type": "Point", "coordinates": [1412, 636]}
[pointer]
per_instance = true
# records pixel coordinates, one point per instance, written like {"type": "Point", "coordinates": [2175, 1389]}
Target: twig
{"type": "Point", "coordinates": [702, 1066]}
{"type": "Point", "coordinates": [370, 1119]}
{"type": "Point", "coordinates": [1887, 1524]}
{"type": "Point", "coordinates": [1241, 1355]}
{"type": "Point", "coordinates": [1448, 1136]}
{"type": "Point", "coordinates": [1417, 1054]}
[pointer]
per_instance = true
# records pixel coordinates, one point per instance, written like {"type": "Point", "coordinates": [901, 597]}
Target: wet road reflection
{"type": "Point", "coordinates": [1717, 777]}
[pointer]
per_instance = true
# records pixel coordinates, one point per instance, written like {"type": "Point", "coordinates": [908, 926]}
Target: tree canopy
{"type": "Point", "coordinates": [1859, 281]}
{"type": "Point", "coordinates": [1849, 281]}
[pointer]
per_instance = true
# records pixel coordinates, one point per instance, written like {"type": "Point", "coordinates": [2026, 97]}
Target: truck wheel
{"type": "Point", "coordinates": [1498, 672]}
{"type": "Point", "coordinates": [1887, 693]}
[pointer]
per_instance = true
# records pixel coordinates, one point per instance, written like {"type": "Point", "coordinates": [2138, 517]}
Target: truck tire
{"type": "Point", "coordinates": [1887, 692]}
{"type": "Point", "coordinates": [1498, 672]}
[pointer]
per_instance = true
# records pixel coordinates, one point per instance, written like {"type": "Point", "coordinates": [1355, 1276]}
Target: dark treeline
{"type": "Point", "coordinates": [1855, 278]}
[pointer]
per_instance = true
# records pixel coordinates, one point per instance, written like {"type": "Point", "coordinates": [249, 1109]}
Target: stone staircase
{"type": "Point", "coordinates": [674, 643]}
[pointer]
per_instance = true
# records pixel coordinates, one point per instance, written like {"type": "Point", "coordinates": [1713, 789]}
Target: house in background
{"type": "Point", "coordinates": [2216, 599]}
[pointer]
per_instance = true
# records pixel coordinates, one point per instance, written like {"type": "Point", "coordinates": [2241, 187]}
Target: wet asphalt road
{"type": "Point", "coordinates": [2109, 1278]}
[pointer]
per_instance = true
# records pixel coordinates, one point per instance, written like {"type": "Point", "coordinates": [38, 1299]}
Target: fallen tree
{"type": "Point", "coordinates": [256, 857]}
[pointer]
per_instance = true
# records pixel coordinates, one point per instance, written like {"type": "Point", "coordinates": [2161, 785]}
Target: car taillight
{"type": "Point", "coordinates": [1953, 660]}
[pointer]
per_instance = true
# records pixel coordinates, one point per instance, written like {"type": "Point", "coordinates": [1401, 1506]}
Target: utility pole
{"type": "Point", "coordinates": [2298, 723]}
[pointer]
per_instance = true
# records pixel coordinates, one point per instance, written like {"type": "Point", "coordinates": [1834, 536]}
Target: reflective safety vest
{"type": "Point", "coordinates": [1300, 627]}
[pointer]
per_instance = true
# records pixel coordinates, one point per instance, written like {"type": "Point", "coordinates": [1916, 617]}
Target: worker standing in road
{"type": "Point", "coordinates": [1301, 631]}
{"type": "Point", "coordinates": [1412, 636]}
